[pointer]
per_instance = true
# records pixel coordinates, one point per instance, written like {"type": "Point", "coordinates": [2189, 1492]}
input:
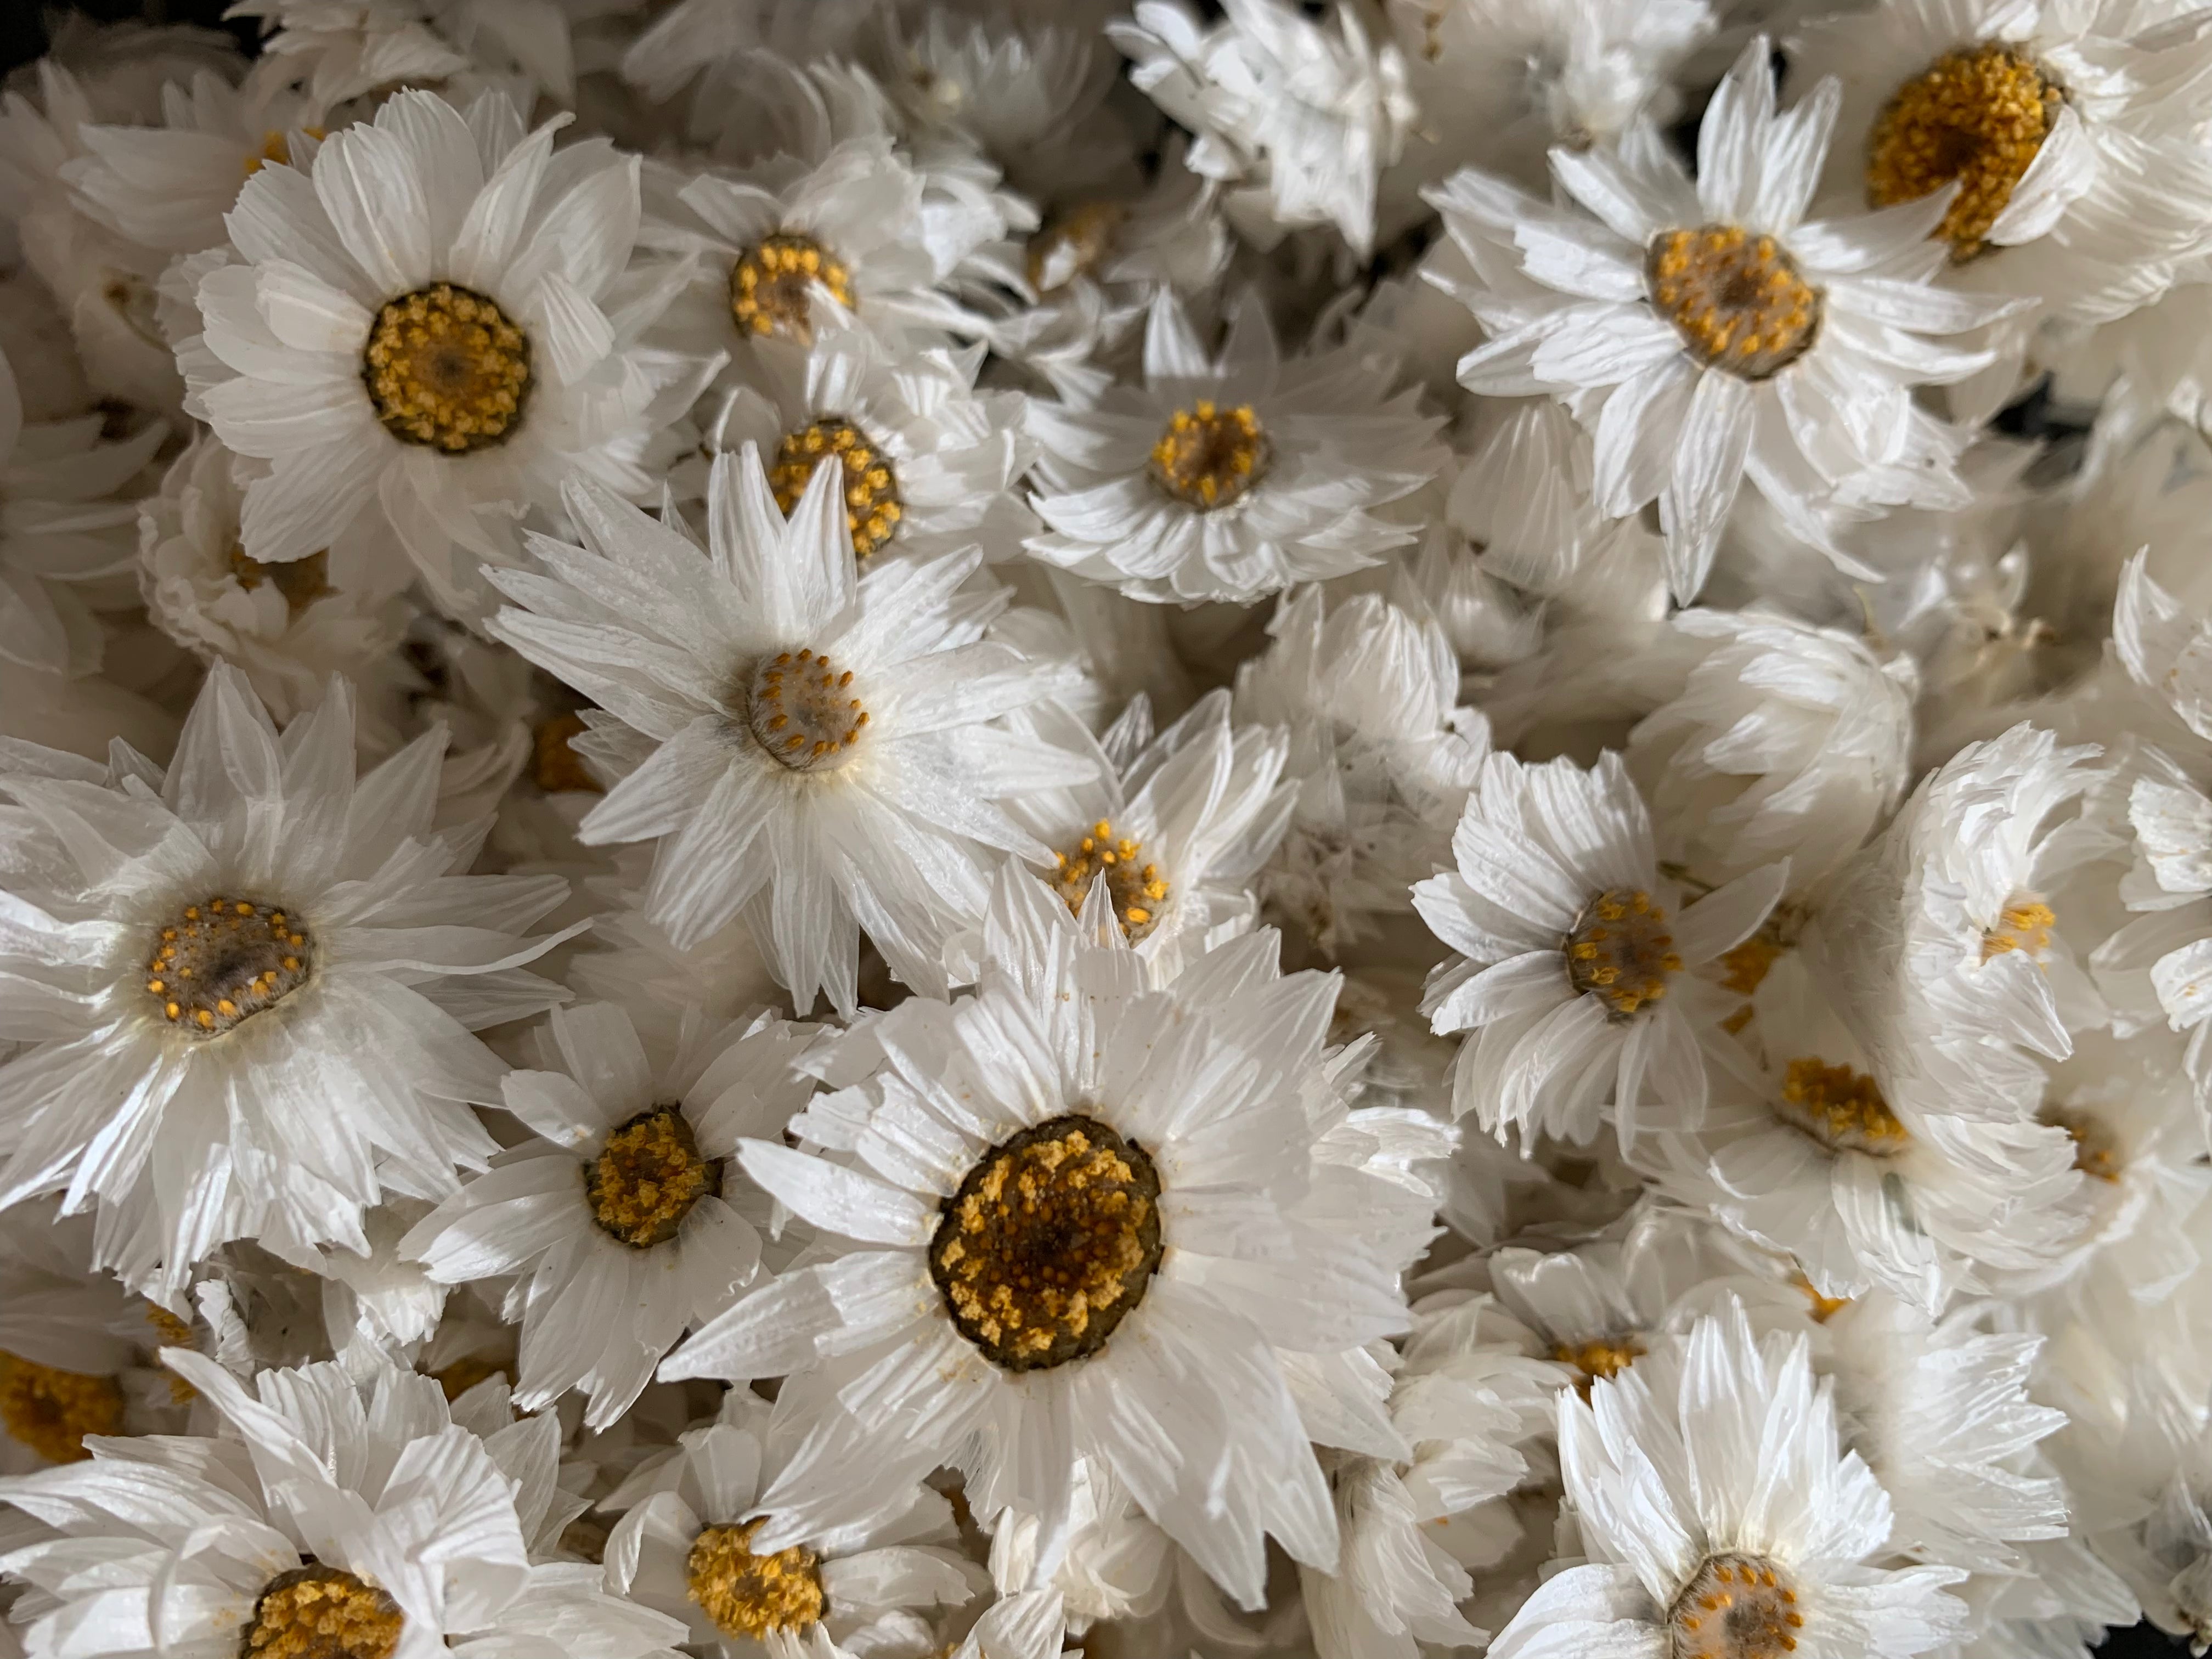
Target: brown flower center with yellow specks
{"type": "Point", "coordinates": [873, 508]}
{"type": "Point", "coordinates": [1133, 883]}
{"type": "Point", "coordinates": [753, 1596]}
{"type": "Point", "coordinates": [220, 962]}
{"type": "Point", "coordinates": [2097, 1153]}
{"type": "Point", "coordinates": [1051, 1240]}
{"type": "Point", "coordinates": [648, 1176]}
{"type": "Point", "coordinates": [1735, 298]}
{"type": "Point", "coordinates": [1736, 1607]}
{"type": "Point", "coordinates": [1074, 244]}
{"type": "Point", "coordinates": [1977, 116]}
{"type": "Point", "coordinates": [1841, 1109]}
{"type": "Point", "coordinates": [801, 710]}
{"type": "Point", "coordinates": [51, 1410]}
{"type": "Point", "coordinates": [317, 1612]}
{"type": "Point", "coordinates": [1208, 457]}
{"type": "Point", "coordinates": [1620, 950]}
{"type": "Point", "coordinates": [555, 765]}
{"type": "Point", "coordinates": [456, 1379]}
{"type": "Point", "coordinates": [772, 284]}
{"type": "Point", "coordinates": [300, 581]}
{"type": "Point", "coordinates": [445, 369]}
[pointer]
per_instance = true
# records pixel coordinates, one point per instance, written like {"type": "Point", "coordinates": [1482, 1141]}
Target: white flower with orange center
{"type": "Point", "coordinates": [1577, 971]}
{"type": "Point", "coordinates": [427, 326]}
{"type": "Point", "coordinates": [260, 979]}
{"type": "Point", "coordinates": [820, 749]}
{"type": "Point", "coordinates": [1075, 1218]}
{"type": "Point", "coordinates": [1707, 332]}
{"type": "Point", "coordinates": [1229, 475]}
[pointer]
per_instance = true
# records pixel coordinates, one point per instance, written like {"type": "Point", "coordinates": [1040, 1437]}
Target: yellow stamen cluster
{"type": "Point", "coordinates": [1048, 1243]}
{"type": "Point", "coordinates": [771, 286]}
{"type": "Point", "coordinates": [1736, 1607]}
{"type": "Point", "coordinates": [1208, 457]}
{"type": "Point", "coordinates": [1620, 950]}
{"type": "Point", "coordinates": [753, 1596]}
{"type": "Point", "coordinates": [1841, 1109]}
{"type": "Point", "coordinates": [171, 1332]}
{"type": "Point", "coordinates": [277, 148]}
{"type": "Point", "coordinates": [1821, 1309]}
{"type": "Point", "coordinates": [456, 1379]}
{"type": "Point", "coordinates": [1605, 1357]}
{"type": "Point", "coordinates": [2025, 925]}
{"type": "Point", "coordinates": [872, 507]}
{"type": "Point", "coordinates": [801, 710]}
{"type": "Point", "coordinates": [445, 369]}
{"type": "Point", "coordinates": [317, 1612]}
{"type": "Point", "coordinates": [51, 1410]}
{"type": "Point", "coordinates": [223, 962]}
{"type": "Point", "coordinates": [1074, 244]}
{"type": "Point", "coordinates": [1136, 890]}
{"type": "Point", "coordinates": [648, 1176]}
{"type": "Point", "coordinates": [1745, 968]}
{"type": "Point", "coordinates": [1977, 116]}
{"type": "Point", "coordinates": [301, 581]}
{"type": "Point", "coordinates": [555, 766]}
{"type": "Point", "coordinates": [2097, 1153]}
{"type": "Point", "coordinates": [1735, 298]}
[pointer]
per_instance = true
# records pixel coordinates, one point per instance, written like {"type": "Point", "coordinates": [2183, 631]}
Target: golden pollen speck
{"type": "Point", "coordinates": [2097, 1153]}
{"type": "Point", "coordinates": [753, 1596]}
{"type": "Point", "coordinates": [1736, 1607]}
{"type": "Point", "coordinates": [300, 581]}
{"type": "Point", "coordinates": [1841, 1109]}
{"type": "Point", "coordinates": [276, 147]}
{"type": "Point", "coordinates": [804, 711]}
{"type": "Point", "coordinates": [1051, 1240]}
{"type": "Point", "coordinates": [1735, 298]}
{"type": "Point", "coordinates": [648, 1176]}
{"type": "Point", "coordinates": [220, 962]}
{"type": "Point", "coordinates": [1821, 1309]}
{"type": "Point", "coordinates": [317, 1612]}
{"type": "Point", "coordinates": [51, 1410]}
{"type": "Point", "coordinates": [2026, 925]}
{"type": "Point", "coordinates": [772, 283]}
{"type": "Point", "coordinates": [1605, 1357]}
{"type": "Point", "coordinates": [1621, 951]}
{"type": "Point", "coordinates": [1133, 883]}
{"type": "Point", "coordinates": [1074, 244]}
{"type": "Point", "coordinates": [444, 369]}
{"type": "Point", "coordinates": [1209, 455]}
{"type": "Point", "coordinates": [872, 507]}
{"type": "Point", "coordinates": [555, 766]}
{"type": "Point", "coordinates": [1977, 116]}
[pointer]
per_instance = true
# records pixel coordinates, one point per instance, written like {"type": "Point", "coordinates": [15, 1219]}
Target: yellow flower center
{"type": "Point", "coordinates": [801, 710]}
{"type": "Point", "coordinates": [1208, 457]}
{"type": "Point", "coordinates": [1050, 1241]}
{"type": "Point", "coordinates": [648, 1176]}
{"type": "Point", "coordinates": [2025, 925]}
{"type": "Point", "coordinates": [1736, 1607]}
{"type": "Point", "coordinates": [1976, 116]}
{"type": "Point", "coordinates": [1607, 1357]}
{"type": "Point", "coordinates": [445, 369]}
{"type": "Point", "coordinates": [772, 285]}
{"type": "Point", "coordinates": [1136, 889]}
{"type": "Point", "coordinates": [317, 1612]}
{"type": "Point", "coordinates": [277, 148]}
{"type": "Point", "coordinates": [301, 581]}
{"type": "Point", "coordinates": [171, 1332]}
{"type": "Point", "coordinates": [1620, 950]}
{"type": "Point", "coordinates": [1841, 1109]}
{"type": "Point", "coordinates": [1736, 299]}
{"type": "Point", "coordinates": [220, 962]}
{"type": "Point", "coordinates": [1073, 244]}
{"type": "Point", "coordinates": [2097, 1150]}
{"type": "Point", "coordinates": [456, 1379]}
{"type": "Point", "coordinates": [51, 1410]}
{"type": "Point", "coordinates": [1822, 1309]}
{"type": "Point", "coordinates": [555, 765]}
{"type": "Point", "coordinates": [873, 508]}
{"type": "Point", "coordinates": [753, 1596]}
